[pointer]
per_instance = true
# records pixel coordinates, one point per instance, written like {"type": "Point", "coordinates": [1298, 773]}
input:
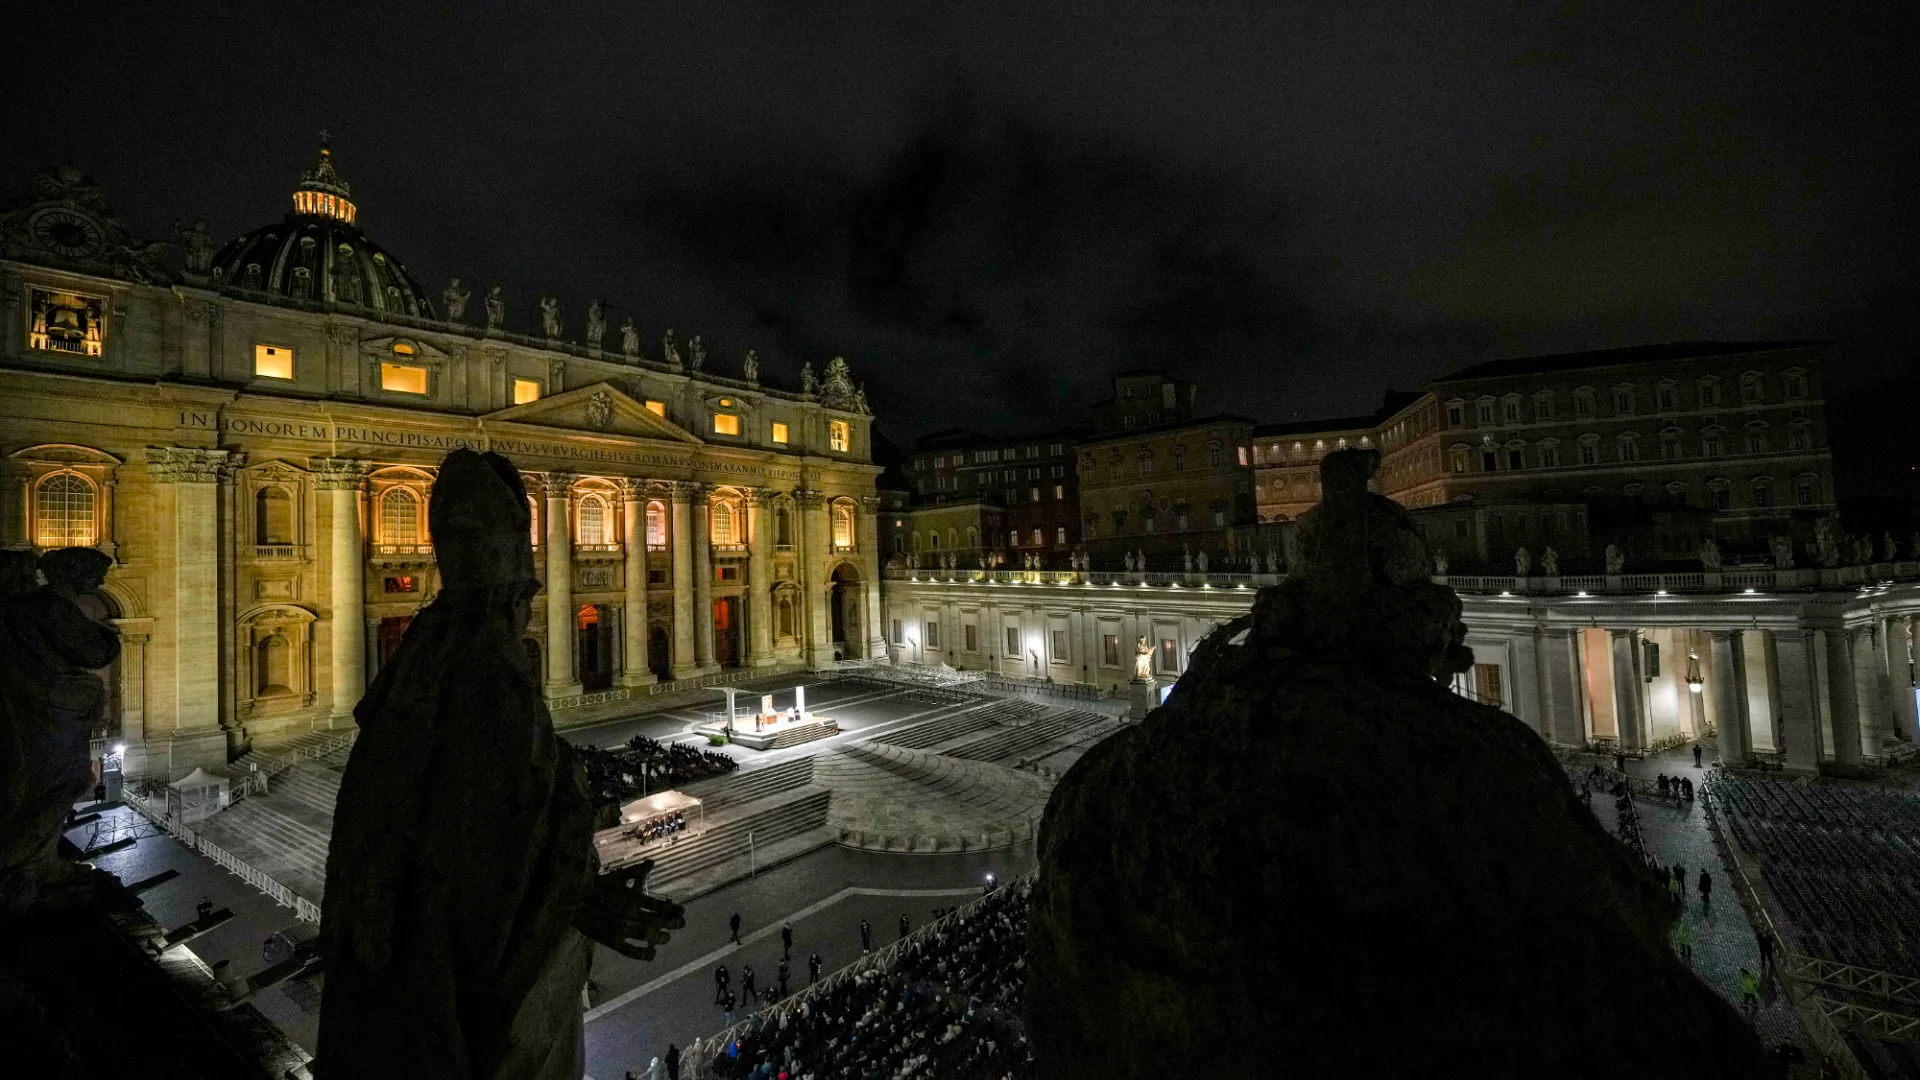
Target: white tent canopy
{"type": "Point", "coordinates": [660, 802]}
{"type": "Point", "coordinates": [199, 778]}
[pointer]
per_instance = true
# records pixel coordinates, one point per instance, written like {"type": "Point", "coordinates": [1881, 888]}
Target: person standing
{"type": "Point", "coordinates": [720, 979]}
{"type": "Point", "coordinates": [783, 977]}
{"type": "Point", "coordinates": [726, 1006]}
{"type": "Point", "coordinates": [866, 936]}
{"type": "Point", "coordinates": [1696, 755]}
{"type": "Point", "coordinates": [1620, 763]}
{"type": "Point", "coordinates": [747, 996]}
{"type": "Point", "coordinates": [903, 924]}
{"type": "Point", "coordinates": [1706, 891]}
{"type": "Point", "coordinates": [204, 908]}
{"type": "Point", "coordinates": [1766, 950]}
{"type": "Point", "coordinates": [734, 925]}
{"type": "Point", "coordinates": [1749, 989]}
{"type": "Point", "coordinates": [673, 1062]}
{"type": "Point", "coordinates": [786, 940]}
{"type": "Point", "coordinates": [813, 968]}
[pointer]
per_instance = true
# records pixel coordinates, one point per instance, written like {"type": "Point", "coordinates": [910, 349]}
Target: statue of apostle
{"type": "Point", "coordinates": [496, 307]}
{"type": "Point", "coordinates": [596, 323]}
{"type": "Point", "coordinates": [463, 892]}
{"type": "Point", "coordinates": [629, 339]}
{"type": "Point", "coordinates": [455, 297]}
{"type": "Point", "coordinates": [50, 700]}
{"type": "Point", "coordinates": [1142, 659]}
{"type": "Point", "coordinates": [550, 316]}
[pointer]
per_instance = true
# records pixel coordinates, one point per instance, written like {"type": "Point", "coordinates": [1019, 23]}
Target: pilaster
{"type": "Point", "coordinates": [700, 518]}
{"type": "Point", "coordinates": [1730, 697]}
{"type": "Point", "coordinates": [760, 576]}
{"type": "Point", "coordinates": [342, 480]}
{"type": "Point", "coordinates": [1626, 690]}
{"type": "Point", "coordinates": [870, 574]}
{"type": "Point", "coordinates": [563, 676]}
{"type": "Point", "coordinates": [1840, 696]}
{"type": "Point", "coordinates": [813, 576]}
{"type": "Point", "coordinates": [1797, 708]}
{"type": "Point", "coordinates": [1560, 675]}
{"type": "Point", "coordinates": [1869, 690]}
{"type": "Point", "coordinates": [195, 476]}
{"type": "Point", "coordinates": [1898, 640]}
{"type": "Point", "coordinates": [633, 511]}
{"type": "Point", "coordinates": [682, 495]}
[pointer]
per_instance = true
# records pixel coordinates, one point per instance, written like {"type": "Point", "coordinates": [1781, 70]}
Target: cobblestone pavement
{"type": "Point", "coordinates": [1680, 836]}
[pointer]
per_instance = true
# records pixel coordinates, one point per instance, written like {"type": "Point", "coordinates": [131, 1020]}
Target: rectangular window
{"type": "Point", "coordinates": [1483, 413]}
{"type": "Point", "coordinates": [1511, 409]}
{"type": "Point", "coordinates": [525, 390]}
{"type": "Point", "coordinates": [779, 432]}
{"type": "Point", "coordinates": [972, 635]}
{"type": "Point", "coordinates": [656, 577]}
{"type": "Point", "coordinates": [1110, 649]}
{"type": "Point", "coordinates": [728, 573]}
{"type": "Point", "coordinates": [1033, 494]}
{"type": "Point", "coordinates": [1549, 457]}
{"type": "Point", "coordinates": [1454, 417]}
{"type": "Point", "coordinates": [839, 435]}
{"type": "Point", "coordinates": [272, 362]}
{"type": "Point", "coordinates": [1589, 453]}
{"type": "Point", "coordinates": [1013, 641]}
{"type": "Point", "coordinates": [1060, 534]}
{"type": "Point", "coordinates": [1622, 401]}
{"type": "Point", "coordinates": [403, 378]}
{"type": "Point", "coordinates": [1060, 647]}
{"type": "Point", "coordinates": [657, 408]}
{"type": "Point", "coordinates": [1583, 403]}
{"type": "Point", "coordinates": [726, 424]}
{"type": "Point", "coordinates": [1169, 655]}
{"type": "Point", "coordinates": [1243, 455]}
{"type": "Point", "coordinates": [1059, 492]}
{"type": "Point", "coordinates": [933, 634]}
{"type": "Point", "coordinates": [897, 638]}
{"type": "Point", "coordinates": [1486, 683]}
{"type": "Point", "coordinates": [1542, 409]}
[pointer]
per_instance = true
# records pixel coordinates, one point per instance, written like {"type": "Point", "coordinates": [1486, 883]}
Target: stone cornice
{"type": "Point", "coordinates": [688, 490]}
{"type": "Point", "coordinates": [183, 465]}
{"type": "Point", "coordinates": [810, 498]}
{"type": "Point", "coordinates": [338, 474]}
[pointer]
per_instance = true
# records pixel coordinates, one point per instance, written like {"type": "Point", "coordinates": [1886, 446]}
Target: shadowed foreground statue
{"type": "Point", "coordinates": [462, 890]}
{"type": "Point", "coordinates": [50, 700]}
{"type": "Point", "coordinates": [1316, 860]}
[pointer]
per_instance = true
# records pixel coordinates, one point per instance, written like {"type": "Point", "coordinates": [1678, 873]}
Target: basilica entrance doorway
{"type": "Point", "coordinates": [593, 649]}
{"type": "Point", "coordinates": [392, 629]}
{"type": "Point", "coordinates": [660, 651]}
{"type": "Point", "coordinates": [844, 606]}
{"type": "Point", "coordinates": [726, 631]}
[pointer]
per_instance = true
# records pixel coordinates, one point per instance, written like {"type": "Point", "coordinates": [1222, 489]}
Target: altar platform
{"type": "Point", "coordinates": [768, 728]}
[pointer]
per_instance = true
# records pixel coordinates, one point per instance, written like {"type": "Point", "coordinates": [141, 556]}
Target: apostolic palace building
{"type": "Point", "coordinates": [251, 433]}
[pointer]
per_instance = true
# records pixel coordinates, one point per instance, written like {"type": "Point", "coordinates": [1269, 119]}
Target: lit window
{"type": "Point", "coordinates": [594, 522]}
{"type": "Point", "coordinates": [722, 523]}
{"type": "Point", "coordinates": [1243, 455]}
{"type": "Point", "coordinates": [657, 408]}
{"type": "Point", "coordinates": [726, 424]}
{"type": "Point", "coordinates": [403, 378]}
{"type": "Point", "coordinates": [66, 322]}
{"type": "Point", "coordinates": [272, 362]}
{"type": "Point", "coordinates": [843, 527]}
{"type": "Point", "coordinates": [533, 519]}
{"type": "Point", "coordinates": [1060, 534]}
{"type": "Point", "coordinates": [525, 390]}
{"type": "Point", "coordinates": [656, 525]}
{"type": "Point", "coordinates": [1059, 491]}
{"type": "Point", "coordinates": [839, 435]}
{"type": "Point", "coordinates": [399, 517]}
{"type": "Point", "coordinates": [401, 348]}
{"type": "Point", "coordinates": [66, 515]}
{"type": "Point", "coordinates": [779, 432]}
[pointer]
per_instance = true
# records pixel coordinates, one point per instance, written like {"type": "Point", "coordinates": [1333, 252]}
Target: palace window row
{"type": "Point", "coordinates": [1625, 398]}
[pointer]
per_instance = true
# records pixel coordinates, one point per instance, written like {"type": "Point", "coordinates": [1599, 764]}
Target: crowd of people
{"type": "Point", "coordinates": [947, 1007]}
{"type": "Point", "coordinates": [660, 828]}
{"type": "Point", "coordinates": [644, 766]}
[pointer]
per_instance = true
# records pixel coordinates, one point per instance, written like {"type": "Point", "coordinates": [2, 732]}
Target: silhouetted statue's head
{"type": "Point", "coordinates": [75, 571]}
{"type": "Point", "coordinates": [1346, 472]}
{"type": "Point", "coordinates": [480, 522]}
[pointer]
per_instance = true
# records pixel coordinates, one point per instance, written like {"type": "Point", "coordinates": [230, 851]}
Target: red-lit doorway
{"type": "Point", "coordinates": [593, 651]}
{"type": "Point", "coordinates": [392, 629]}
{"type": "Point", "coordinates": [726, 631]}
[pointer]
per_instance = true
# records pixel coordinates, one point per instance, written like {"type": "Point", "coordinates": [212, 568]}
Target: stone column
{"type": "Point", "coordinates": [1899, 631]}
{"type": "Point", "coordinates": [1626, 690]}
{"type": "Point", "coordinates": [1798, 711]}
{"type": "Point", "coordinates": [1869, 690]}
{"type": "Point", "coordinates": [813, 576]}
{"type": "Point", "coordinates": [1730, 697]}
{"type": "Point", "coordinates": [133, 683]}
{"type": "Point", "coordinates": [194, 476]}
{"type": "Point", "coordinates": [342, 479]}
{"type": "Point", "coordinates": [563, 675]}
{"type": "Point", "coordinates": [682, 539]}
{"type": "Point", "coordinates": [1526, 703]}
{"type": "Point", "coordinates": [700, 517]}
{"type": "Point", "coordinates": [633, 508]}
{"type": "Point", "coordinates": [870, 572]}
{"type": "Point", "coordinates": [1840, 696]}
{"type": "Point", "coordinates": [759, 577]}
{"type": "Point", "coordinates": [1560, 670]}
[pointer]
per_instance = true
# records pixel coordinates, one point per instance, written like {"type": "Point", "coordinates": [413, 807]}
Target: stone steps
{"type": "Point", "coordinates": [895, 798]}
{"type": "Point", "coordinates": [750, 784]}
{"type": "Point", "coordinates": [960, 724]}
{"type": "Point", "coordinates": [1013, 743]}
{"type": "Point", "coordinates": [794, 736]}
{"type": "Point", "coordinates": [315, 785]}
{"type": "Point", "coordinates": [776, 818]}
{"type": "Point", "coordinates": [275, 841]}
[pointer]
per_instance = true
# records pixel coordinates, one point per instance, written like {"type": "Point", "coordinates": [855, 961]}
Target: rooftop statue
{"type": "Point", "coordinates": [455, 298]}
{"type": "Point", "coordinates": [696, 353]}
{"type": "Point", "coordinates": [50, 701]}
{"type": "Point", "coordinates": [1314, 832]}
{"type": "Point", "coordinates": [496, 308]}
{"type": "Point", "coordinates": [630, 339]}
{"type": "Point", "coordinates": [669, 352]}
{"type": "Point", "coordinates": [750, 367]}
{"type": "Point", "coordinates": [462, 890]}
{"type": "Point", "coordinates": [806, 378]}
{"type": "Point", "coordinates": [596, 323]}
{"type": "Point", "coordinates": [550, 316]}
{"type": "Point", "coordinates": [196, 246]}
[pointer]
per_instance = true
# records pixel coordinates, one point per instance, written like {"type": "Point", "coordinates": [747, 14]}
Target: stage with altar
{"type": "Point", "coordinates": [768, 728]}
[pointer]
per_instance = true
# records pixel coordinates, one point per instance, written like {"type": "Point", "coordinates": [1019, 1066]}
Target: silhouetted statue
{"type": "Point", "coordinates": [50, 701]}
{"type": "Point", "coordinates": [1314, 830]}
{"type": "Point", "coordinates": [461, 881]}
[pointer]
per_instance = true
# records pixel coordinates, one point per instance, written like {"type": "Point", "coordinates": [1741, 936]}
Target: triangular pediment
{"type": "Point", "coordinates": [602, 409]}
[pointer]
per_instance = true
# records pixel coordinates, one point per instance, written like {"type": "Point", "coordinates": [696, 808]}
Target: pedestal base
{"type": "Point", "coordinates": [643, 678]}
{"type": "Point", "coordinates": [1141, 698]}
{"type": "Point", "coordinates": [569, 690]}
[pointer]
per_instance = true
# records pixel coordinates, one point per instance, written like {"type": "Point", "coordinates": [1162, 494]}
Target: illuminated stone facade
{"type": "Point", "coordinates": [1178, 488]}
{"type": "Point", "coordinates": [255, 451]}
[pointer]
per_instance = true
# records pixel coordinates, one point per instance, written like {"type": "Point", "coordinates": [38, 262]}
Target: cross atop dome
{"type": "Point", "coordinates": [322, 191]}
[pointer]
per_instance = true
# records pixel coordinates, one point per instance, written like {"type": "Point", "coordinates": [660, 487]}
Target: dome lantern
{"type": "Point", "coordinates": [323, 192]}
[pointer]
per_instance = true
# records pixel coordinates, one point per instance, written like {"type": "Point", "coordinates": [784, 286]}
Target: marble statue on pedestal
{"type": "Point", "coordinates": [1710, 555]}
{"type": "Point", "coordinates": [1616, 559]}
{"type": "Point", "coordinates": [455, 297]}
{"type": "Point", "coordinates": [750, 367]}
{"type": "Point", "coordinates": [1142, 659]}
{"type": "Point", "coordinates": [669, 351]}
{"type": "Point", "coordinates": [1522, 562]}
{"type": "Point", "coordinates": [1550, 562]}
{"type": "Point", "coordinates": [629, 339]}
{"type": "Point", "coordinates": [696, 354]}
{"type": "Point", "coordinates": [596, 324]}
{"type": "Point", "coordinates": [1782, 547]}
{"type": "Point", "coordinates": [196, 246]}
{"type": "Point", "coordinates": [463, 895]}
{"type": "Point", "coordinates": [550, 316]}
{"type": "Point", "coordinates": [496, 307]}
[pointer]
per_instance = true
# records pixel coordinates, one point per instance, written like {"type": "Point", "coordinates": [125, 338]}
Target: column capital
{"type": "Point", "coordinates": [761, 497]}
{"type": "Point", "coordinates": [634, 489]}
{"type": "Point", "coordinates": [183, 465]}
{"type": "Point", "coordinates": [688, 490]}
{"type": "Point", "coordinates": [1721, 635]}
{"type": "Point", "coordinates": [809, 498]}
{"type": "Point", "coordinates": [134, 639]}
{"type": "Point", "coordinates": [870, 503]}
{"type": "Point", "coordinates": [338, 474]}
{"type": "Point", "coordinates": [559, 482]}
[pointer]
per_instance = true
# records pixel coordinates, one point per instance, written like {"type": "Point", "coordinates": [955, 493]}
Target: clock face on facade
{"type": "Point", "coordinates": [65, 232]}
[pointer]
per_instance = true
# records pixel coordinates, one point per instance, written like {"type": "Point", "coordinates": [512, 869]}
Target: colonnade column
{"type": "Point", "coordinates": [194, 476]}
{"type": "Point", "coordinates": [1840, 697]}
{"type": "Point", "coordinates": [1730, 697]}
{"type": "Point", "coordinates": [682, 525]}
{"type": "Point", "coordinates": [1869, 689]}
{"type": "Point", "coordinates": [563, 676]}
{"type": "Point", "coordinates": [813, 575]}
{"type": "Point", "coordinates": [700, 516]}
{"type": "Point", "coordinates": [760, 577]}
{"type": "Point", "coordinates": [1900, 677]}
{"type": "Point", "coordinates": [1797, 707]}
{"type": "Point", "coordinates": [342, 480]}
{"type": "Point", "coordinates": [1560, 721]}
{"type": "Point", "coordinates": [1626, 690]}
{"type": "Point", "coordinates": [870, 571]}
{"type": "Point", "coordinates": [633, 508]}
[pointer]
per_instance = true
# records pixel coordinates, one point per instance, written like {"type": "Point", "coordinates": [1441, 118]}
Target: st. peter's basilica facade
{"type": "Point", "coordinates": [251, 433]}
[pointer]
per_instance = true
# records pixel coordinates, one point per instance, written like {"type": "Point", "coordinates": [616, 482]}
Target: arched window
{"type": "Point", "coordinates": [399, 517]}
{"type": "Point", "coordinates": [656, 525]}
{"type": "Point", "coordinates": [272, 517]}
{"type": "Point", "coordinates": [782, 527]}
{"type": "Point", "coordinates": [783, 616]}
{"type": "Point", "coordinates": [595, 524]}
{"type": "Point", "coordinates": [1719, 494]}
{"type": "Point", "coordinates": [65, 511]}
{"type": "Point", "coordinates": [973, 537]}
{"type": "Point", "coordinates": [1214, 448]}
{"type": "Point", "coordinates": [953, 537]}
{"type": "Point", "coordinates": [843, 527]}
{"type": "Point", "coordinates": [916, 540]}
{"type": "Point", "coordinates": [273, 666]}
{"type": "Point", "coordinates": [722, 523]}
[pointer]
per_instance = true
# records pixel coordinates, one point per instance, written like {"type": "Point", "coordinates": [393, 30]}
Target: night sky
{"type": "Point", "coordinates": [988, 211]}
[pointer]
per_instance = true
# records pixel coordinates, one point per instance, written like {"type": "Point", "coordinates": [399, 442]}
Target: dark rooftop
{"type": "Point", "coordinates": [1638, 354]}
{"type": "Point", "coordinates": [1172, 425]}
{"type": "Point", "coordinates": [1308, 427]}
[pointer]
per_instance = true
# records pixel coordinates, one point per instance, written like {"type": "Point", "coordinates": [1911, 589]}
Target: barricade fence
{"type": "Point", "coordinates": [302, 907]}
{"type": "Point", "coordinates": [701, 1053]}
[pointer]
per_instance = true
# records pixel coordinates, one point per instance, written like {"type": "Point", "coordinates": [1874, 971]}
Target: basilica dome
{"type": "Point", "coordinates": [318, 256]}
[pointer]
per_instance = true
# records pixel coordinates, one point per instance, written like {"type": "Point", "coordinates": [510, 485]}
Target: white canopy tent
{"type": "Point", "coordinates": [657, 804]}
{"type": "Point", "coordinates": [198, 795]}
